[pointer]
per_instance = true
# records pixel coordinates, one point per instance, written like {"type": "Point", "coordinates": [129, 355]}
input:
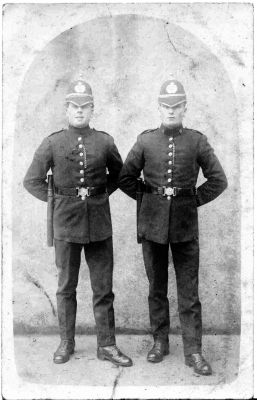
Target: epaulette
{"type": "Point", "coordinates": [193, 130]}
{"type": "Point", "coordinates": [54, 133]}
{"type": "Point", "coordinates": [147, 131]}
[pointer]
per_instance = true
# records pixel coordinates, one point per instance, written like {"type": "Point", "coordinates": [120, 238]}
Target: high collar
{"type": "Point", "coordinates": [173, 131]}
{"type": "Point", "coordinates": [80, 131]}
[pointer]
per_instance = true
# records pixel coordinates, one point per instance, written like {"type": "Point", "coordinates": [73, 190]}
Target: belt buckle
{"type": "Point", "coordinates": [83, 192]}
{"type": "Point", "coordinates": [169, 191]}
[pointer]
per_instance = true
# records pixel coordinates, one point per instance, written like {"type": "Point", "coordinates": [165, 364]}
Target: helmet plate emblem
{"type": "Point", "coordinates": [171, 88]}
{"type": "Point", "coordinates": [80, 88]}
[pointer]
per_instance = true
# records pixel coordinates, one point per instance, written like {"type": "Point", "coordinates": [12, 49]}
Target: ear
{"type": "Point", "coordinates": [92, 111]}
{"type": "Point", "coordinates": [66, 105]}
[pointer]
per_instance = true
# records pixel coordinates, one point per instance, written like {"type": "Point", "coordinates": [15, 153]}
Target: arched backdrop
{"type": "Point", "coordinates": [125, 59]}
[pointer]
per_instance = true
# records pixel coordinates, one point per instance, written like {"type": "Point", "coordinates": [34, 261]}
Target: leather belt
{"type": "Point", "coordinates": [170, 191]}
{"type": "Point", "coordinates": [82, 192]}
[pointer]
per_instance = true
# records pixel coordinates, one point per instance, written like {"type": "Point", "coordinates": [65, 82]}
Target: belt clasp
{"type": "Point", "coordinates": [83, 192]}
{"type": "Point", "coordinates": [169, 191]}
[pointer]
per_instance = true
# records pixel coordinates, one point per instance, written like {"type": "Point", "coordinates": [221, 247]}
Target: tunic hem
{"type": "Point", "coordinates": [82, 240]}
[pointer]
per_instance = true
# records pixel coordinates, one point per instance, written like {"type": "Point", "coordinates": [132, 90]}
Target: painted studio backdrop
{"type": "Point", "coordinates": [126, 59]}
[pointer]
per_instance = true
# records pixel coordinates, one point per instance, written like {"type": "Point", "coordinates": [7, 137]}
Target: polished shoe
{"type": "Point", "coordinates": [113, 354]}
{"type": "Point", "coordinates": [199, 364]}
{"type": "Point", "coordinates": [158, 351]}
{"type": "Point", "coordinates": [65, 349]}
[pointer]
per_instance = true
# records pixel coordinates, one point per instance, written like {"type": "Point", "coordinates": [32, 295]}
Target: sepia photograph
{"type": "Point", "coordinates": [127, 201]}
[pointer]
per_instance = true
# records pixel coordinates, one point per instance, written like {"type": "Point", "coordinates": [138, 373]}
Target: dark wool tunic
{"type": "Point", "coordinates": [172, 158]}
{"type": "Point", "coordinates": [78, 158]}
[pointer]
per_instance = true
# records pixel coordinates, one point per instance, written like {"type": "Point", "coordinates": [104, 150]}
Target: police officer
{"type": "Point", "coordinates": [170, 158]}
{"type": "Point", "coordinates": [79, 158]}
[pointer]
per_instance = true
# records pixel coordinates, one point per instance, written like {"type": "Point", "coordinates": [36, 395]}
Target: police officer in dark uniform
{"type": "Point", "coordinates": [85, 164]}
{"type": "Point", "coordinates": [170, 158]}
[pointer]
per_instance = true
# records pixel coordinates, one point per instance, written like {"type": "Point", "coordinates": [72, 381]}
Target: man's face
{"type": "Point", "coordinates": [172, 116]}
{"type": "Point", "coordinates": [79, 116]}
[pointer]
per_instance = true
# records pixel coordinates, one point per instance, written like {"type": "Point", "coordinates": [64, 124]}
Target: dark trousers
{"type": "Point", "coordinates": [99, 257]}
{"type": "Point", "coordinates": [186, 263]}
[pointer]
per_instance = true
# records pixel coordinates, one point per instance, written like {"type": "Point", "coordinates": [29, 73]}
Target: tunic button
{"type": "Point", "coordinates": [170, 139]}
{"type": "Point", "coordinates": [81, 171]}
{"type": "Point", "coordinates": [170, 162]}
{"type": "Point", "coordinates": [168, 197]}
{"type": "Point", "coordinates": [79, 139]}
{"type": "Point", "coordinates": [170, 154]}
{"type": "Point", "coordinates": [169, 180]}
{"type": "Point", "coordinates": [170, 146]}
{"type": "Point", "coordinates": [81, 154]}
{"type": "Point", "coordinates": [81, 163]}
{"type": "Point", "coordinates": [82, 179]}
{"type": "Point", "coordinates": [169, 171]}
{"type": "Point", "coordinates": [80, 146]}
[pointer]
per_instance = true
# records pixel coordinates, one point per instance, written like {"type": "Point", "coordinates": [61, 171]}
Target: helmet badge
{"type": "Point", "coordinates": [80, 88]}
{"type": "Point", "coordinates": [171, 88]}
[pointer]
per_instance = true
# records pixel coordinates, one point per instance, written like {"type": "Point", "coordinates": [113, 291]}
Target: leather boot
{"type": "Point", "coordinates": [200, 365]}
{"type": "Point", "coordinates": [113, 354]}
{"type": "Point", "coordinates": [158, 351]}
{"type": "Point", "coordinates": [65, 349]}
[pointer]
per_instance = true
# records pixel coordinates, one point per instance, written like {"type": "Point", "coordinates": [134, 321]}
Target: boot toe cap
{"type": "Point", "coordinates": [59, 359]}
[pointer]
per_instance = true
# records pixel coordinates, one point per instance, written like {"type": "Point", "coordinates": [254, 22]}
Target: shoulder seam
{"type": "Point", "coordinates": [194, 130]}
{"type": "Point", "coordinates": [61, 130]}
{"type": "Point", "coordinates": [148, 131]}
{"type": "Point", "coordinates": [105, 133]}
